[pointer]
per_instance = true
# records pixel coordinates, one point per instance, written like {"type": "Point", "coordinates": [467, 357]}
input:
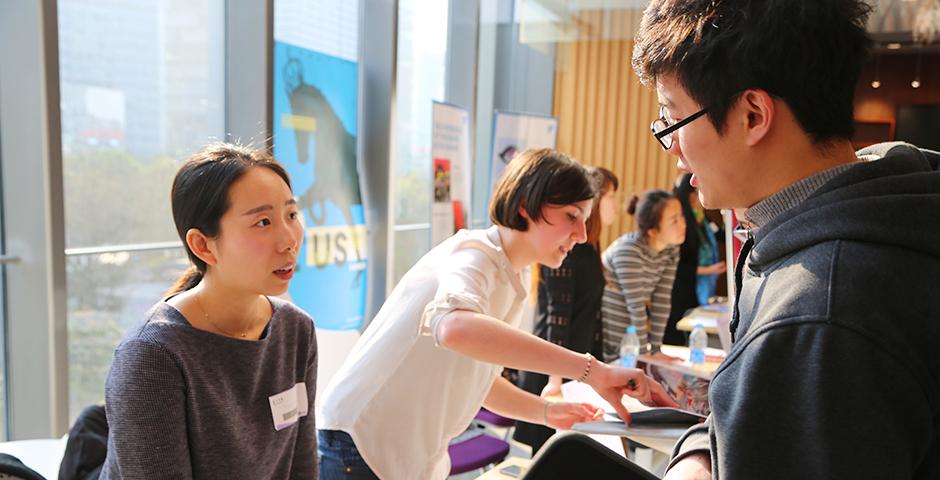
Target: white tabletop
{"type": "Point", "coordinates": [42, 455]}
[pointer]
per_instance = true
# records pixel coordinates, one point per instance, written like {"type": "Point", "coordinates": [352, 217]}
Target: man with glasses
{"type": "Point", "coordinates": [835, 370]}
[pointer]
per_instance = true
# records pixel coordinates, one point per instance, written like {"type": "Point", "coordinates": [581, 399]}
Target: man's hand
{"type": "Point", "coordinates": [697, 466]}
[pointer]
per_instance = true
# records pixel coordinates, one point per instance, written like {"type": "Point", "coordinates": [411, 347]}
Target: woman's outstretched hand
{"type": "Point", "coordinates": [562, 415]}
{"type": "Point", "coordinates": [612, 383]}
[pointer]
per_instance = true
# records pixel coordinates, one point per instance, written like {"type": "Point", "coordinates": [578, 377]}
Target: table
{"type": "Point", "coordinates": [686, 324]}
{"type": "Point", "coordinates": [715, 318]}
{"type": "Point", "coordinates": [710, 316]}
{"type": "Point", "coordinates": [713, 358]}
{"type": "Point", "coordinates": [42, 455]}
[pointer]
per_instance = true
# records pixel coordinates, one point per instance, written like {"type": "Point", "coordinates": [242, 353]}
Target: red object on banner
{"type": "Point", "coordinates": [458, 215]}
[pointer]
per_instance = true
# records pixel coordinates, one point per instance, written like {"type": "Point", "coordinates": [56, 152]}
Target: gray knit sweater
{"type": "Point", "coordinates": [185, 403]}
{"type": "Point", "coordinates": [834, 370]}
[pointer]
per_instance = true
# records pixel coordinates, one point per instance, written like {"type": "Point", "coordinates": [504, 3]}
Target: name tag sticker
{"type": "Point", "coordinates": [288, 406]}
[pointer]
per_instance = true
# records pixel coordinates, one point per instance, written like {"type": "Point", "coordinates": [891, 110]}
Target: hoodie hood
{"type": "Point", "coordinates": [893, 200]}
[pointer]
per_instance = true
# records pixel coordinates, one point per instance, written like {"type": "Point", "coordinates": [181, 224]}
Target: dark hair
{"type": "Point", "coordinates": [809, 53]}
{"type": "Point", "coordinates": [649, 210]}
{"type": "Point", "coordinates": [533, 179]}
{"type": "Point", "coordinates": [608, 180]}
{"type": "Point", "coordinates": [683, 187]}
{"type": "Point", "coordinates": [200, 195]}
{"type": "Point", "coordinates": [604, 181]}
{"type": "Point", "coordinates": [682, 190]}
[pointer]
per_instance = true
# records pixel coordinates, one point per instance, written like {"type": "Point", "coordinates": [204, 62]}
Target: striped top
{"type": "Point", "coordinates": [638, 291]}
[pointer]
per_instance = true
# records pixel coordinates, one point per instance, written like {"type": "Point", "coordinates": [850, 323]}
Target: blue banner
{"type": "Point", "coordinates": [315, 108]}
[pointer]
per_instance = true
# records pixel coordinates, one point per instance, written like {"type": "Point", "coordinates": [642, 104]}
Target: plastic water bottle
{"type": "Point", "coordinates": [629, 348]}
{"type": "Point", "coordinates": [698, 340]}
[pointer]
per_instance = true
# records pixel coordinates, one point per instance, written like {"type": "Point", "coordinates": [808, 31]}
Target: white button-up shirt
{"type": "Point", "coordinates": [399, 395]}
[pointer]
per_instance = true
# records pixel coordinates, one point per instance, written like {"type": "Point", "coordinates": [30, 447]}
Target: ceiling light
{"type": "Point", "coordinates": [916, 82]}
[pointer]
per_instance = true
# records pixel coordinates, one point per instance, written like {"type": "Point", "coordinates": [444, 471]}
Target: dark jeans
{"type": "Point", "coordinates": [340, 459]}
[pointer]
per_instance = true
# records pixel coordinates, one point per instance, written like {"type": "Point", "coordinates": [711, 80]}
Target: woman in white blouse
{"type": "Point", "coordinates": [432, 355]}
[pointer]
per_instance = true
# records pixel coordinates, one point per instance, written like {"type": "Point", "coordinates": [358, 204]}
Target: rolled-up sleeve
{"type": "Point", "coordinates": [464, 284]}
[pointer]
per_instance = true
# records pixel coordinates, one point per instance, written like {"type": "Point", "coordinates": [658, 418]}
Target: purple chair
{"type": "Point", "coordinates": [487, 417]}
{"type": "Point", "coordinates": [475, 453]}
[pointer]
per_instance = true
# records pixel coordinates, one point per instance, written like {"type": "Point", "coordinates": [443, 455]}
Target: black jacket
{"type": "Point", "coordinates": [835, 368]}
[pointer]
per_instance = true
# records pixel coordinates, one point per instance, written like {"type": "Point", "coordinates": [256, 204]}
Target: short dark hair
{"type": "Point", "coordinates": [649, 209]}
{"type": "Point", "coordinates": [533, 179]}
{"type": "Point", "coordinates": [808, 53]}
{"type": "Point", "coordinates": [199, 196]}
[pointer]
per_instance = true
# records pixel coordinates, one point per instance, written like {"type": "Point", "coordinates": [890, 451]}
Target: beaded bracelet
{"type": "Point", "coordinates": [587, 368]}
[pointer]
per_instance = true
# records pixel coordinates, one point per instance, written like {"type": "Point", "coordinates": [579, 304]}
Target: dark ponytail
{"type": "Point", "coordinates": [649, 210]}
{"type": "Point", "coordinates": [189, 279]}
{"type": "Point", "coordinates": [631, 208]}
{"type": "Point", "coordinates": [200, 195]}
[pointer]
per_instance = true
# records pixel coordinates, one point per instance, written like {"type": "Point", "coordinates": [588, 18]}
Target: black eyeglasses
{"type": "Point", "coordinates": [662, 130]}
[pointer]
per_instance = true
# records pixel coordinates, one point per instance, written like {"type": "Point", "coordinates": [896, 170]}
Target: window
{"type": "Point", "coordinates": [142, 87]}
{"type": "Point", "coordinates": [421, 60]}
{"type": "Point", "coordinates": [3, 327]}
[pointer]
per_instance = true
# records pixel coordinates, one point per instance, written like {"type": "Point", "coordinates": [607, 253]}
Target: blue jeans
{"type": "Point", "coordinates": [340, 459]}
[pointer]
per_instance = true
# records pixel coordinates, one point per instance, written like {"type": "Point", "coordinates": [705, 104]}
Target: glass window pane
{"type": "Point", "coordinates": [109, 293]}
{"type": "Point", "coordinates": [3, 330]}
{"type": "Point", "coordinates": [422, 46]}
{"type": "Point", "coordinates": [142, 87]}
{"type": "Point", "coordinates": [410, 246]}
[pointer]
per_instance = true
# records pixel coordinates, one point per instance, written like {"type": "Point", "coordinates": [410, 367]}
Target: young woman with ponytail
{"type": "Point", "coordinates": [219, 380]}
{"type": "Point", "coordinates": [640, 267]}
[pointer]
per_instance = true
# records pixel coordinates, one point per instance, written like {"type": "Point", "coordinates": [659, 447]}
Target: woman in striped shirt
{"type": "Point", "coordinates": [640, 267]}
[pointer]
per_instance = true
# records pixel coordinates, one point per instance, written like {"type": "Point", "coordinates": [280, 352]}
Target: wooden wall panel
{"type": "Point", "coordinates": [604, 112]}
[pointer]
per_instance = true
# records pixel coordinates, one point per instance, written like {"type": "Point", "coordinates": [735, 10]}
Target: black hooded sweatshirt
{"type": "Point", "coordinates": [835, 368]}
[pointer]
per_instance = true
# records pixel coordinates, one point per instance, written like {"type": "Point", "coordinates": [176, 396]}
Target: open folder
{"type": "Point", "coordinates": [661, 437]}
{"type": "Point", "coordinates": [662, 416]}
{"type": "Point", "coordinates": [641, 415]}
